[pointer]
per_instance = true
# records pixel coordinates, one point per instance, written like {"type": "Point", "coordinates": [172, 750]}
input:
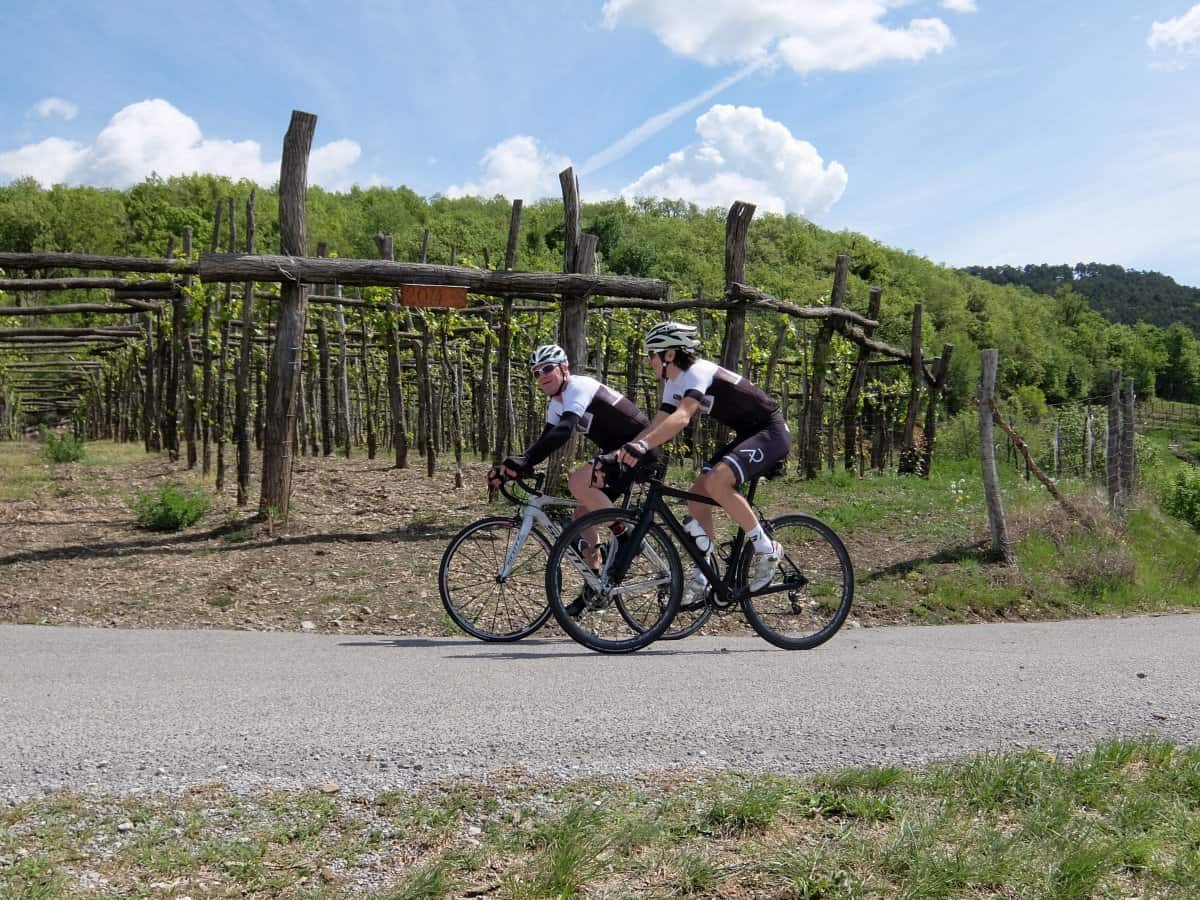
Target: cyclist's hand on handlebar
{"type": "Point", "coordinates": [603, 466]}
{"type": "Point", "coordinates": [514, 467]}
{"type": "Point", "coordinates": [632, 453]}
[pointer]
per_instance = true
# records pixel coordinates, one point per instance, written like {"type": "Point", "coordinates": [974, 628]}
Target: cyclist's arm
{"type": "Point", "coordinates": [665, 426]}
{"type": "Point", "coordinates": [551, 438]}
{"type": "Point", "coordinates": [668, 424]}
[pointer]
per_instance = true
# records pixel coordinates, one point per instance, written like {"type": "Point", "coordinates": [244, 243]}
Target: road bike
{"type": "Point", "coordinates": [632, 599]}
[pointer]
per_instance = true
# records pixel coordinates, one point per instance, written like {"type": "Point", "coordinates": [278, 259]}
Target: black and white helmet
{"type": "Point", "coordinates": [547, 353]}
{"type": "Point", "coordinates": [670, 336]}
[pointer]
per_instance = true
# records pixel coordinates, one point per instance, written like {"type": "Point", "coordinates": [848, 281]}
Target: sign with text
{"type": "Point", "coordinates": [442, 296]}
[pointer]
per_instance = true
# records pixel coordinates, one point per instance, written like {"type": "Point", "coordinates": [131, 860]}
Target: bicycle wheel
{"type": "Point", "coordinates": [809, 598]}
{"type": "Point", "coordinates": [481, 600]}
{"type": "Point", "coordinates": [614, 612]}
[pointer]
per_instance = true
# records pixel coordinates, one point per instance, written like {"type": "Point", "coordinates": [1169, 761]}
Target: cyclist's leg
{"type": "Point", "coordinates": [589, 498]}
{"type": "Point", "coordinates": [755, 455]}
{"type": "Point", "coordinates": [721, 483]}
{"type": "Point", "coordinates": [703, 512]}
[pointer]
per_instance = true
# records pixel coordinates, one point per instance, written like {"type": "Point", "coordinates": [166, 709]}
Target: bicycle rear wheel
{"type": "Point", "coordinates": [484, 601]}
{"type": "Point", "coordinates": [613, 611]}
{"type": "Point", "coordinates": [809, 598]}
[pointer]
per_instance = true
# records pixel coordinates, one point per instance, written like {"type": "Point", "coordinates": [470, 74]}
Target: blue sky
{"type": "Point", "coordinates": [968, 131]}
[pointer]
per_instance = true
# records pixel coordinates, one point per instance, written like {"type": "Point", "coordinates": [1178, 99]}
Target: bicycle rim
{"type": "Point", "coordinates": [473, 593]}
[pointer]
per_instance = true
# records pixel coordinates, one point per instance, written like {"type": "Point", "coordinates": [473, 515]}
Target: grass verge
{"type": "Point", "coordinates": [1123, 820]}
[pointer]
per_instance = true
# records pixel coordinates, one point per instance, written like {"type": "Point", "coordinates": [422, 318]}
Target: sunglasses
{"type": "Point", "coordinates": [539, 371]}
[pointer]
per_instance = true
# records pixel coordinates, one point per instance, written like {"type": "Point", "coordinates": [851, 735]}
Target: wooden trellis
{"type": "Point", "coordinates": [291, 407]}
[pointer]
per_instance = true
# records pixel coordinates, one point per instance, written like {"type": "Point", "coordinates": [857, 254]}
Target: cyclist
{"type": "Point", "coordinates": [583, 404]}
{"type": "Point", "coordinates": [693, 385]}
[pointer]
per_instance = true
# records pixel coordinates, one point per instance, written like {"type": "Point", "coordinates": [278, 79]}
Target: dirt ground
{"type": "Point", "coordinates": [360, 554]}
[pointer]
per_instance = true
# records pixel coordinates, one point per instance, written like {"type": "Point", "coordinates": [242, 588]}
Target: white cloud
{"type": "Point", "coordinates": [743, 155]}
{"type": "Point", "coordinates": [961, 6]}
{"type": "Point", "coordinates": [518, 167]}
{"type": "Point", "coordinates": [56, 106]}
{"type": "Point", "coordinates": [154, 136]}
{"type": "Point", "coordinates": [808, 35]}
{"type": "Point", "coordinates": [331, 164]}
{"type": "Point", "coordinates": [1179, 33]}
{"type": "Point", "coordinates": [50, 161]}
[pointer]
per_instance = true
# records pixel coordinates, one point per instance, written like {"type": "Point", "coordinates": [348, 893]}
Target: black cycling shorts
{"type": "Point", "coordinates": [753, 454]}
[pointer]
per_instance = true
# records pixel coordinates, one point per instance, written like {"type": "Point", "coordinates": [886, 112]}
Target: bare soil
{"type": "Point", "coordinates": [359, 555]}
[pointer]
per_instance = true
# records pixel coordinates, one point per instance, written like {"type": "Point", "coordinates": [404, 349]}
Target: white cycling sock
{"type": "Point", "coordinates": [762, 543]}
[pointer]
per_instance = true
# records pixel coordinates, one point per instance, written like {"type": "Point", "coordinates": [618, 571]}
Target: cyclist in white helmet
{"type": "Point", "coordinates": [761, 439]}
{"type": "Point", "coordinates": [583, 404]}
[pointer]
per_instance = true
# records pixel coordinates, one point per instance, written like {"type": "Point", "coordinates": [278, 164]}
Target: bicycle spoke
{"type": "Point", "coordinates": [475, 597]}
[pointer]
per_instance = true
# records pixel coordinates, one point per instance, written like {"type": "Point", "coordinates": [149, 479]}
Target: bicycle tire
{"type": "Point", "coordinates": [520, 617]}
{"type": "Point", "coordinates": [563, 576]}
{"type": "Point", "coordinates": [809, 544]}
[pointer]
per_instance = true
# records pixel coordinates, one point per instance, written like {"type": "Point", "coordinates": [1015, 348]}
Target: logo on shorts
{"type": "Point", "coordinates": [755, 454]}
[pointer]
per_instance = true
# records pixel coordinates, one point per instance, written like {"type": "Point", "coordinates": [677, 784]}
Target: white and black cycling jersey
{"type": "Point", "coordinates": [606, 416]}
{"type": "Point", "coordinates": [732, 400]}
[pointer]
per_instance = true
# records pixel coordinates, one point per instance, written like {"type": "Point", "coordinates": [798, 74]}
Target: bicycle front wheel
{"type": "Point", "coordinates": [484, 599]}
{"type": "Point", "coordinates": [810, 595]}
{"type": "Point", "coordinates": [615, 608]}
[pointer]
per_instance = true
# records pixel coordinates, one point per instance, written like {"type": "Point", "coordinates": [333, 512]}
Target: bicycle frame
{"type": "Point", "coordinates": [723, 586]}
{"type": "Point", "coordinates": [532, 514]}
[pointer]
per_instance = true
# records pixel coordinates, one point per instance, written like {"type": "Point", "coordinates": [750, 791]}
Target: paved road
{"type": "Point", "coordinates": [118, 710]}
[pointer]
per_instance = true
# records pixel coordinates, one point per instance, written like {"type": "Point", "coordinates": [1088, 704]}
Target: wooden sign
{"type": "Point", "coordinates": [442, 296]}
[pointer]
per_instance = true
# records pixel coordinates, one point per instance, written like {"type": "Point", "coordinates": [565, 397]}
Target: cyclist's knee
{"type": "Point", "coordinates": [579, 480]}
{"type": "Point", "coordinates": [720, 479]}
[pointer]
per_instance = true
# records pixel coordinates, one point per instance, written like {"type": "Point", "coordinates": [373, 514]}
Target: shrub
{"type": "Point", "coordinates": [168, 508]}
{"type": "Point", "coordinates": [1183, 497]}
{"type": "Point", "coordinates": [62, 448]}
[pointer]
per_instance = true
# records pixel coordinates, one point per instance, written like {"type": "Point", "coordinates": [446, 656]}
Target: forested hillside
{"type": "Point", "coordinates": [1054, 343]}
{"type": "Point", "coordinates": [1120, 294]}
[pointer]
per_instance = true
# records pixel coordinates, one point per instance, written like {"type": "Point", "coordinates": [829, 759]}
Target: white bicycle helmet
{"type": "Point", "coordinates": [547, 353]}
{"type": "Point", "coordinates": [670, 336]}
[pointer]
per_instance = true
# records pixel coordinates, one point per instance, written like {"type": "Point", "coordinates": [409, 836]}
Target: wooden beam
{"type": "Point", "coordinates": [72, 284]}
{"type": "Point", "coordinates": [69, 308]}
{"type": "Point", "coordinates": [744, 292]}
{"type": "Point", "coordinates": [88, 262]}
{"type": "Point", "coordinates": [70, 332]}
{"type": "Point", "coordinates": [383, 273]}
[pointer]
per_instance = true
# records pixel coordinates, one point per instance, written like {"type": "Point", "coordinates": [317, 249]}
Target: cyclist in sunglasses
{"type": "Point", "coordinates": [583, 404]}
{"type": "Point", "coordinates": [694, 386]}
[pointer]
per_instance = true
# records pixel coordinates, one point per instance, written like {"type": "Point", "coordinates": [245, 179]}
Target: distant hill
{"type": "Point", "coordinates": [1119, 294]}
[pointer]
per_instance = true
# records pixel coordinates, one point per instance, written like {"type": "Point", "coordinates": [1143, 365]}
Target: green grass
{"type": "Point", "coordinates": [112, 453]}
{"type": "Point", "coordinates": [169, 508]}
{"type": "Point", "coordinates": [1122, 820]}
{"type": "Point", "coordinates": [62, 448]}
{"type": "Point", "coordinates": [22, 470]}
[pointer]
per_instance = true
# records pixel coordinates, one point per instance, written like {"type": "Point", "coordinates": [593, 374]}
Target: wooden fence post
{"type": "Point", "coordinates": [241, 415]}
{"type": "Point", "coordinates": [1001, 548]}
{"type": "Point", "coordinates": [820, 365]}
{"type": "Point", "coordinates": [737, 223]}
{"type": "Point", "coordinates": [908, 455]}
{"type": "Point", "coordinates": [850, 414]}
{"type": "Point", "coordinates": [1112, 448]}
{"type": "Point", "coordinates": [1128, 471]}
{"type": "Point", "coordinates": [283, 380]}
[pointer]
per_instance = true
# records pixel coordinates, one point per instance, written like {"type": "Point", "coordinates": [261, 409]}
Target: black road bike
{"type": "Point", "coordinates": [633, 598]}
